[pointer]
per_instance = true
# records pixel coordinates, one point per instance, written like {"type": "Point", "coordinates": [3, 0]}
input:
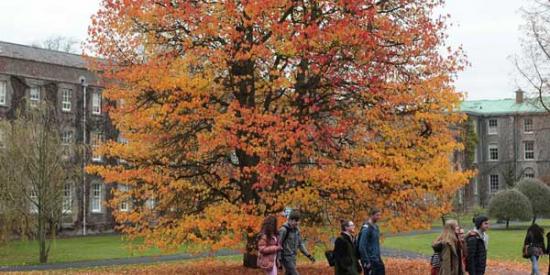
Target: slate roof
{"type": "Point", "coordinates": [501, 106]}
{"type": "Point", "coordinates": [36, 54]}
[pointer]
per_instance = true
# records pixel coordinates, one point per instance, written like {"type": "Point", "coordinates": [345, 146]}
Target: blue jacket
{"type": "Point", "coordinates": [369, 243]}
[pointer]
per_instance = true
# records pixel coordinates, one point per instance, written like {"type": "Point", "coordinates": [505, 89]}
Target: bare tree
{"type": "Point", "coordinates": [35, 169]}
{"type": "Point", "coordinates": [534, 64]}
{"type": "Point", "coordinates": [59, 43]}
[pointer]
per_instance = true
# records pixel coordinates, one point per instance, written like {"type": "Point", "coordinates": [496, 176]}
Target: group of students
{"type": "Point", "coordinates": [455, 253]}
{"type": "Point", "coordinates": [351, 256]}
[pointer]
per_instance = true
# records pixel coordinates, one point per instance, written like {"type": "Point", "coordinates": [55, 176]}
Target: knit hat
{"type": "Point", "coordinates": [479, 220]}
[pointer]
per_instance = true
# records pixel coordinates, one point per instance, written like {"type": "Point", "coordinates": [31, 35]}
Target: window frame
{"type": "Point", "coordinates": [528, 128]}
{"type": "Point", "coordinates": [33, 102]}
{"type": "Point", "coordinates": [66, 99]}
{"type": "Point", "coordinates": [529, 173]}
{"type": "Point", "coordinates": [3, 93]}
{"type": "Point", "coordinates": [492, 130]}
{"type": "Point", "coordinates": [490, 156]}
{"type": "Point", "coordinates": [96, 140]}
{"type": "Point", "coordinates": [96, 103]}
{"type": "Point", "coordinates": [67, 207]}
{"type": "Point", "coordinates": [96, 198]}
{"type": "Point", "coordinates": [491, 189]}
{"type": "Point", "coordinates": [529, 154]}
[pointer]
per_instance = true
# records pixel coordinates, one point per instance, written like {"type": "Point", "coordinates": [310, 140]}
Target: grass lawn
{"type": "Point", "coordinates": [503, 244]}
{"type": "Point", "coordinates": [72, 249]}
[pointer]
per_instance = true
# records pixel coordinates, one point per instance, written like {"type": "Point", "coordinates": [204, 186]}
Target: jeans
{"type": "Point", "coordinates": [289, 263]}
{"type": "Point", "coordinates": [535, 265]}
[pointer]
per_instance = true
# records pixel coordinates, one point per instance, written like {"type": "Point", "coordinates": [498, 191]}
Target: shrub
{"type": "Point", "coordinates": [510, 205]}
{"type": "Point", "coordinates": [538, 194]}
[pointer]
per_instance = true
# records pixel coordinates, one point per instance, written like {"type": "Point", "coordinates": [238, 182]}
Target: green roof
{"type": "Point", "coordinates": [501, 106]}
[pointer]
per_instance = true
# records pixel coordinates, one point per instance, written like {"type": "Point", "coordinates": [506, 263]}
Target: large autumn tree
{"type": "Point", "coordinates": [233, 110]}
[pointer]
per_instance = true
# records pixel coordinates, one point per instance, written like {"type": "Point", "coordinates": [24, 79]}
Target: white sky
{"type": "Point", "coordinates": [488, 30]}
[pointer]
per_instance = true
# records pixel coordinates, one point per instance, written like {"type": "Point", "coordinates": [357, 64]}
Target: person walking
{"type": "Point", "coordinates": [449, 248]}
{"type": "Point", "coordinates": [477, 243]}
{"type": "Point", "coordinates": [268, 246]}
{"type": "Point", "coordinates": [548, 250]}
{"type": "Point", "coordinates": [533, 246]}
{"type": "Point", "coordinates": [369, 245]}
{"type": "Point", "coordinates": [345, 254]}
{"type": "Point", "coordinates": [291, 242]}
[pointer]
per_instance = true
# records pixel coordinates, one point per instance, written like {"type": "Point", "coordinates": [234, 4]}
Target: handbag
{"type": "Point", "coordinates": [329, 254]}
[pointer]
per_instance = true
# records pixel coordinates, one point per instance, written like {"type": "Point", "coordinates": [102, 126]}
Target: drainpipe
{"type": "Point", "coordinates": [84, 154]}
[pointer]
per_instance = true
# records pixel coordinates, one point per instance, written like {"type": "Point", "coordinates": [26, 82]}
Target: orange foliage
{"type": "Point", "coordinates": [236, 109]}
{"type": "Point", "coordinates": [211, 266]}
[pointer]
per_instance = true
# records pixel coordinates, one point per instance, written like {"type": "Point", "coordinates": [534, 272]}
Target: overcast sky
{"type": "Point", "coordinates": [488, 30]}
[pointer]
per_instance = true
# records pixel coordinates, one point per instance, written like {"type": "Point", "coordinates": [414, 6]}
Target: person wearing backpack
{"type": "Point", "coordinates": [345, 254]}
{"type": "Point", "coordinates": [476, 246]}
{"type": "Point", "coordinates": [533, 246]}
{"type": "Point", "coordinates": [448, 247]}
{"type": "Point", "coordinates": [369, 245]}
{"type": "Point", "coordinates": [268, 246]}
{"type": "Point", "coordinates": [291, 242]}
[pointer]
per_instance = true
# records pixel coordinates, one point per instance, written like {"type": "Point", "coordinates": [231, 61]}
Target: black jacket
{"type": "Point", "coordinates": [476, 260]}
{"type": "Point", "coordinates": [345, 256]}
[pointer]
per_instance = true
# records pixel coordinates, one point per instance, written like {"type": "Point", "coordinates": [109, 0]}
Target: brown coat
{"type": "Point", "coordinates": [451, 261]}
{"type": "Point", "coordinates": [267, 249]}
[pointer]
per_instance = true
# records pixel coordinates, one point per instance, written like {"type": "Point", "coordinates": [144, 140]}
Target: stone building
{"type": "Point", "coordinates": [513, 143]}
{"type": "Point", "coordinates": [30, 75]}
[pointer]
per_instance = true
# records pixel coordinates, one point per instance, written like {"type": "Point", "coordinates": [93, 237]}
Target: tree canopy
{"type": "Point", "coordinates": [233, 110]}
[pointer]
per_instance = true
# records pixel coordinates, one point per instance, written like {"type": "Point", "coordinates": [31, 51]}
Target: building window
{"type": "Point", "coordinates": [96, 103]}
{"type": "Point", "coordinates": [493, 152]}
{"type": "Point", "coordinates": [66, 98]}
{"type": "Point", "coordinates": [3, 93]}
{"type": "Point", "coordinates": [67, 198]}
{"type": "Point", "coordinates": [33, 201]}
{"type": "Point", "coordinates": [2, 139]}
{"type": "Point", "coordinates": [34, 95]}
{"type": "Point", "coordinates": [67, 137]}
{"type": "Point", "coordinates": [493, 127]}
{"type": "Point", "coordinates": [493, 183]}
{"type": "Point", "coordinates": [529, 173]}
{"type": "Point", "coordinates": [528, 125]}
{"type": "Point", "coordinates": [96, 197]}
{"type": "Point", "coordinates": [529, 150]}
{"type": "Point", "coordinates": [95, 141]}
{"type": "Point", "coordinates": [125, 204]}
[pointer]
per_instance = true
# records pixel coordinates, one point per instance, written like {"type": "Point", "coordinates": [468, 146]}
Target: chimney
{"type": "Point", "coordinates": [519, 96]}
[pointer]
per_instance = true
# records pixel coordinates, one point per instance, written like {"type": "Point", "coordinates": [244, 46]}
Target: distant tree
{"type": "Point", "coordinates": [534, 63]}
{"type": "Point", "coordinates": [34, 172]}
{"type": "Point", "coordinates": [509, 205]}
{"type": "Point", "coordinates": [59, 43]}
{"type": "Point", "coordinates": [538, 194]}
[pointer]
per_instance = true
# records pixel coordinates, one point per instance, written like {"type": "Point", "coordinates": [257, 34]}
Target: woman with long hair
{"type": "Point", "coordinates": [448, 247]}
{"type": "Point", "coordinates": [268, 246]}
{"type": "Point", "coordinates": [533, 246]}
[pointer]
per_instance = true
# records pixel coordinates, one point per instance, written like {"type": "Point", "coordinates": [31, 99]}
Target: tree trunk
{"type": "Point", "coordinates": [507, 223]}
{"type": "Point", "coordinates": [534, 219]}
{"type": "Point", "coordinates": [251, 254]}
{"type": "Point", "coordinates": [42, 239]}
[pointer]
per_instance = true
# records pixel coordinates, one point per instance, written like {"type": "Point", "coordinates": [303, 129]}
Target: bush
{"type": "Point", "coordinates": [510, 205]}
{"type": "Point", "coordinates": [538, 194]}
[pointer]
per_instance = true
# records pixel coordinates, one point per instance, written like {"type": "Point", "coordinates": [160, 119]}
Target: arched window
{"type": "Point", "coordinates": [529, 173]}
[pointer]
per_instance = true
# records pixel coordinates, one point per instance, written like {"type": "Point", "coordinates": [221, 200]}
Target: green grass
{"type": "Point", "coordinates": [503, 244]}
{"type": "Point", "coordinates": [73, 249]}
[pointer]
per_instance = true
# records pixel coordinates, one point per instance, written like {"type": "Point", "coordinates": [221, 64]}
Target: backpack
{"type": "Point", "coordinates": [285, 237]}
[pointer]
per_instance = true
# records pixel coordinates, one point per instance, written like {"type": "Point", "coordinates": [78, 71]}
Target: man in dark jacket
{"type": "Point", "coordinates": [369, 245]}
{"type": "Point", "coordinates": [477, 244]}
{"type": "Point", "coordinates": [345, 254]}
{"type": "Point", "coordinates": [291, 241]}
